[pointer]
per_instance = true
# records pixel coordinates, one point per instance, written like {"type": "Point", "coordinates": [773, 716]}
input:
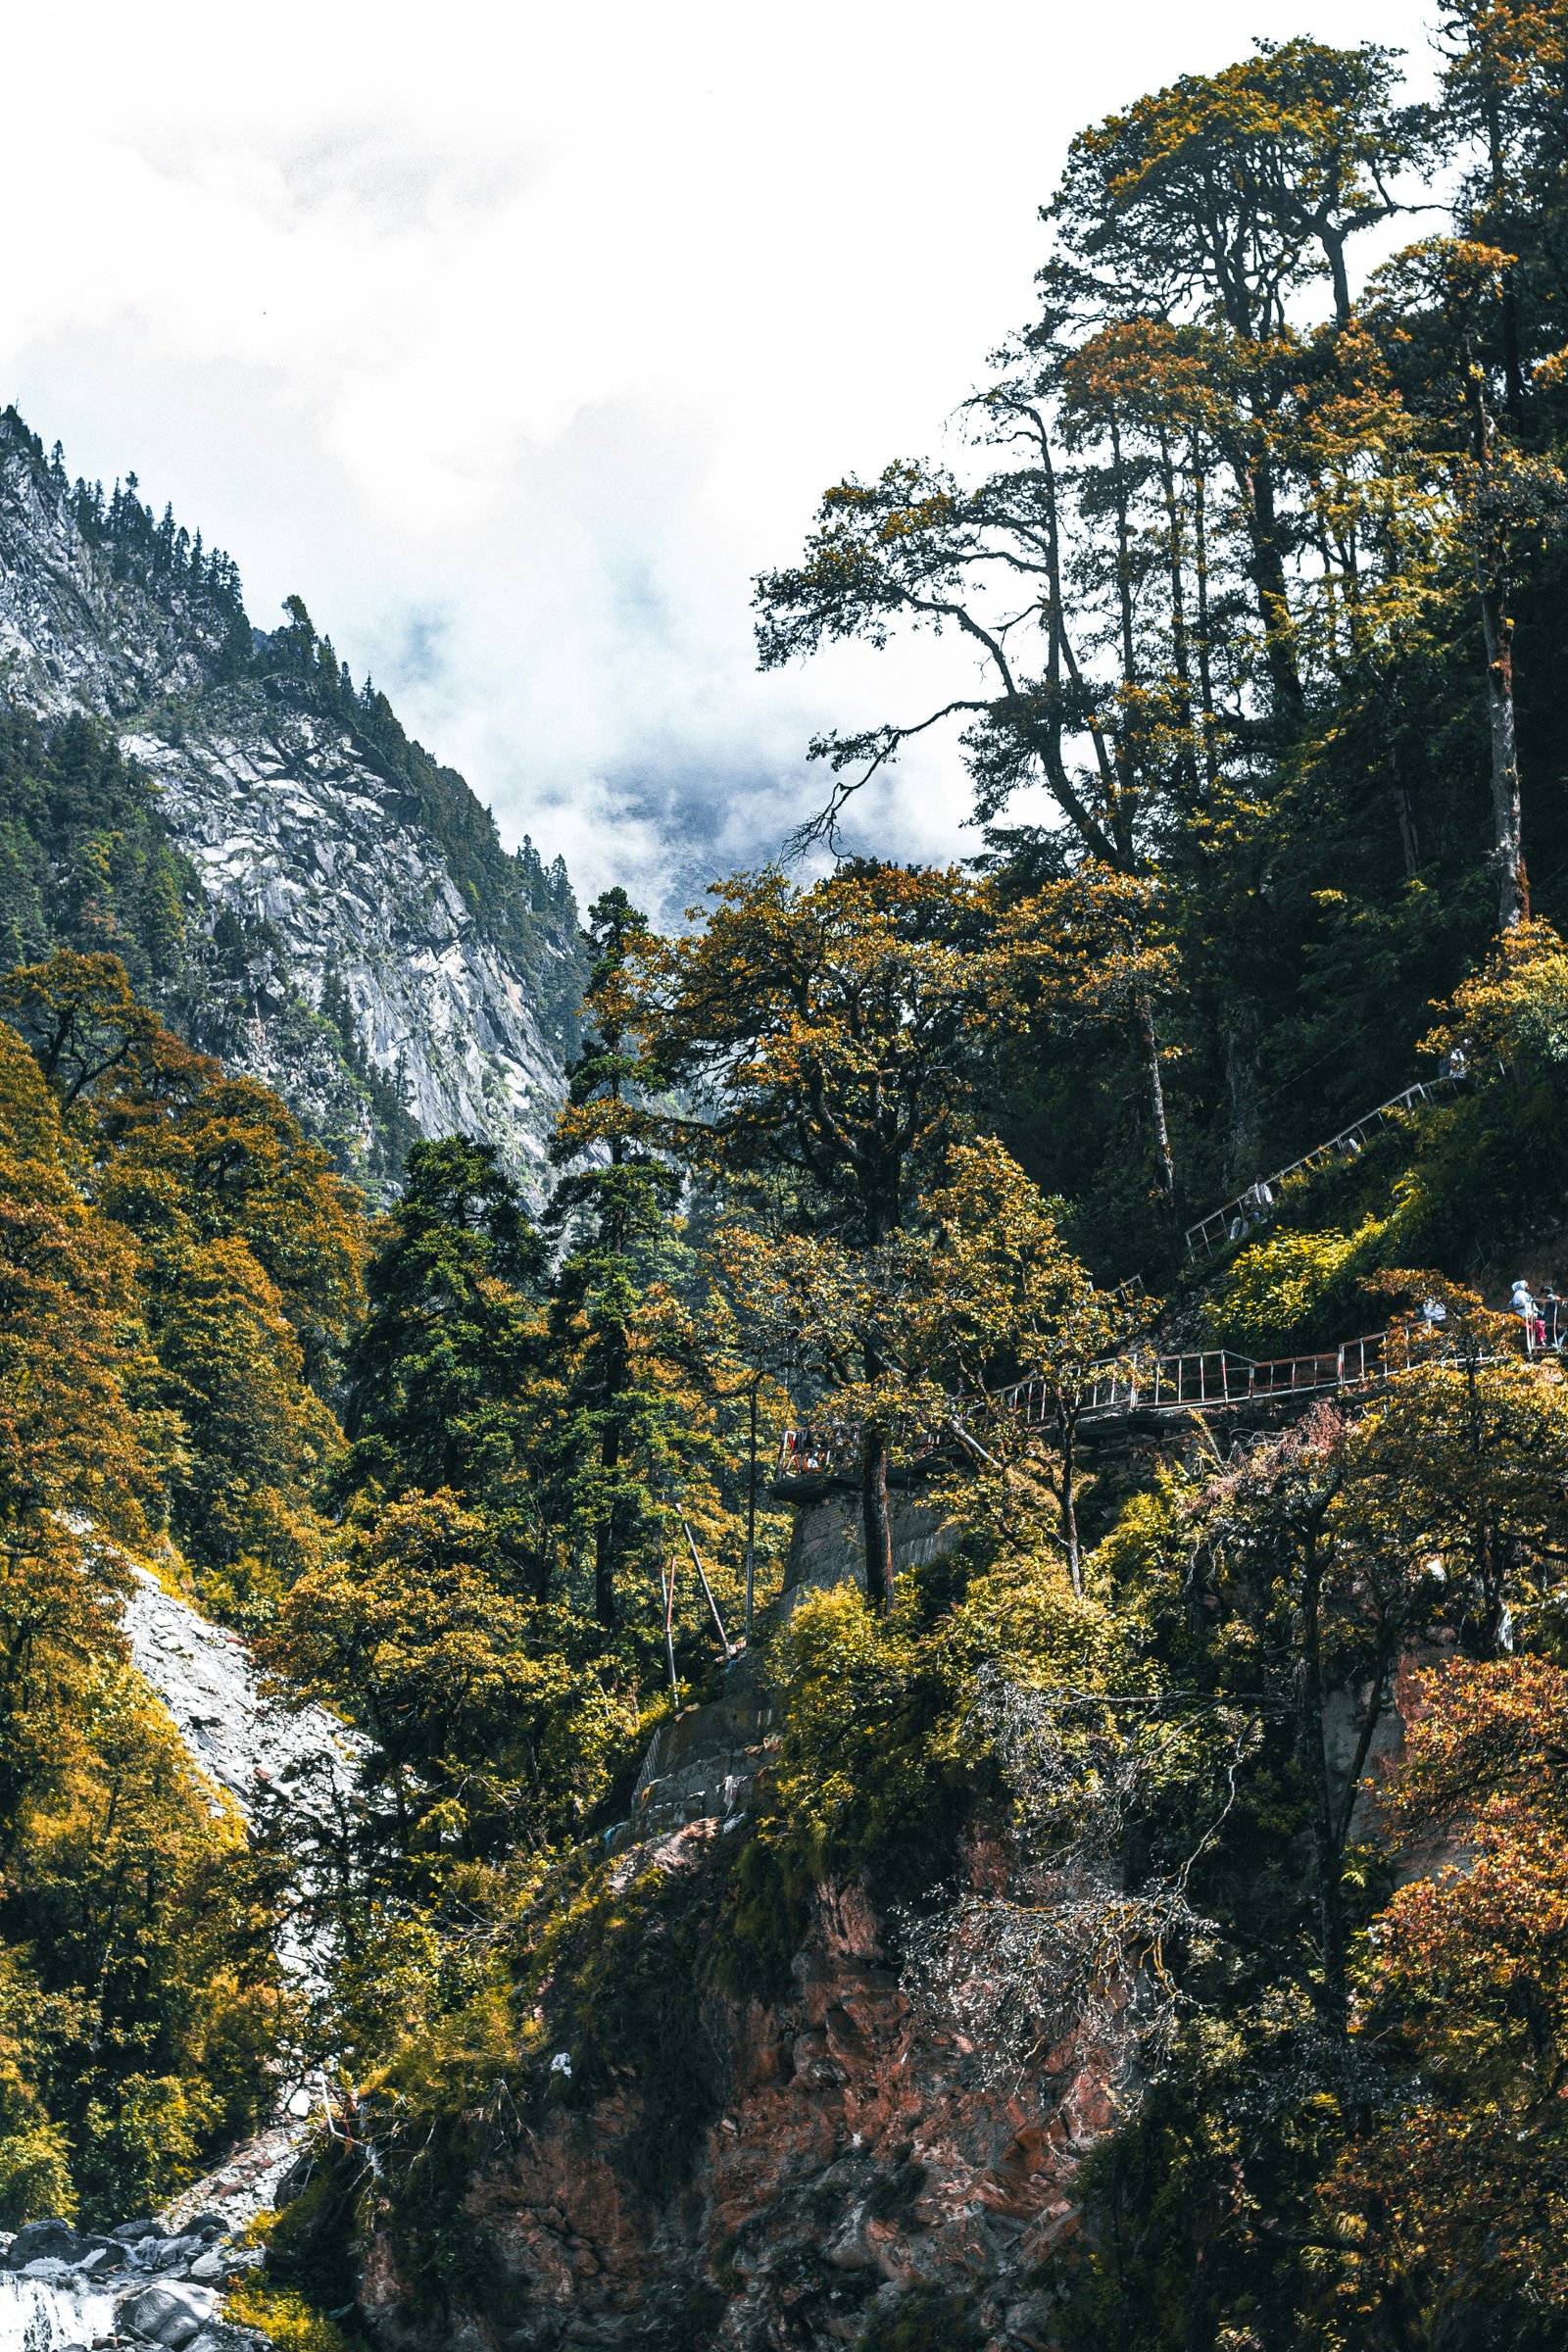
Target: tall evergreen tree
{"type": "Point", "coordinates": [632, 1429]}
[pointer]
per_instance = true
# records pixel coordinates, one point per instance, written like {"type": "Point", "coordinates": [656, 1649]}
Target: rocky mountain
{"type": "Point", "coordinates": [299, 886]}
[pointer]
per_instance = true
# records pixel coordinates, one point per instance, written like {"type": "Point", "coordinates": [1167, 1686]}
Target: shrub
{"type": "Point", "coordinates": [284, 2317]}
{"type": "Point", "coordinates": [1291, 1286]}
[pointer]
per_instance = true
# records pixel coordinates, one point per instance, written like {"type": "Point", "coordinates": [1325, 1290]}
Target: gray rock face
{"type": "Point", "coordinates": [369, 949]}
{"type": "Point", "coordinates": [288, 823]}
{"type": "Point", "coordinates": [202, 1674]}
{"type": "Point", "coordinates": [263, 1754]}
{"type": "Point", "coordinates": [169, 2315]}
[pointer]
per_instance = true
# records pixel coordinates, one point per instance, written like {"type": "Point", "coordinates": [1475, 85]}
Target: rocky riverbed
{"type": "Point", "coordinates": [136, 2284]}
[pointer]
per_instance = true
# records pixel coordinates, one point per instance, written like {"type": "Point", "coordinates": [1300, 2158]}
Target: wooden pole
{"type": "Point", "coordinates": [669, 1583]}
{"type": "Point", "coordinates": [751, 1521]}
{"type": "Point", "coordinates": [691, 1546]}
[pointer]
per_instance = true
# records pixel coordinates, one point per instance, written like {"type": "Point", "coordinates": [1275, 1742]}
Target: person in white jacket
{"type": "Point", "coordinates": [1524, 1306]}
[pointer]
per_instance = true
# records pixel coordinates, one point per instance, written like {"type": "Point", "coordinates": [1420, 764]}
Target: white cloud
{"type": "Point", "coordinates": [517, 339]}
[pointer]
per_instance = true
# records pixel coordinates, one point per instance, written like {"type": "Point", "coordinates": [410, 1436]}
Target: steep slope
{"type": "Point", "coordinates": [335, 912]}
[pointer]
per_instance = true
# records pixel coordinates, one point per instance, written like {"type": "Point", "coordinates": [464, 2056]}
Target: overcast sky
{"type": "Point", "coordinates": [517, 338]}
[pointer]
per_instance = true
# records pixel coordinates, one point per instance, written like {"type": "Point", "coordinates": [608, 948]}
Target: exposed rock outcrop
{"type": "Point", "coordinates": [857, 2150]}
{"type": "Point", "coordinates": [246, 1742]}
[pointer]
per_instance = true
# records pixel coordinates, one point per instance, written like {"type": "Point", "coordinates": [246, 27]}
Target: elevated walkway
{"type": "Point", "coordinates": [1236, 1218]}
{"type": "Point", "coordinates": [1202, 1381]}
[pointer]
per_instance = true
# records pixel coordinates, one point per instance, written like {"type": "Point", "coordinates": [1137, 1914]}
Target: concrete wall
{"type": "Point", "coordinates": [828, 1547]}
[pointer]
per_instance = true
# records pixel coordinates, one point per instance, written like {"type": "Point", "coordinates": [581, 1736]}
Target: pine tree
{"type": "Point", "coordinates": [633, 1430]}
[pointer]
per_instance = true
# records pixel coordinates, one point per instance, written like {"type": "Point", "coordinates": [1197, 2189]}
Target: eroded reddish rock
{"type": "Point", "coordinates": [856, 2151]}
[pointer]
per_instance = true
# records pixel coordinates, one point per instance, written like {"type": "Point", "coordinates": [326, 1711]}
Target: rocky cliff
{"type": "Point", "coordinates": [337, 915]}
{"type": "Point", "coordinates": [808, 2169]}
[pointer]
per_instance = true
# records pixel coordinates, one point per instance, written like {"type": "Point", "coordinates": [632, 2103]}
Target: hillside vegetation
{"type": "Point", "coordinates": [1236, 1745]}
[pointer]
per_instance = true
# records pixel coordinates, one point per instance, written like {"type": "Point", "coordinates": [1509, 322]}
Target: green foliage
{"type": "Point", "coordinates": [1294, 594]}
{"type": "Point", "coordinates": [883, 1752]}
{"type": "Point", "coordinates": [440, 1367]}
{"type": "Point", "coordinates": [925, 2319]}
{"type": "Point", "coordinates": [85, 860]}
{"type": "Point", "coordinates": [1293, 1288]}
{"type": "Point", "coordinates": [35, 2181]}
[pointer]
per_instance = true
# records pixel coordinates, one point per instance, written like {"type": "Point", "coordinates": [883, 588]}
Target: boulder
{"type": "Point", "coordinates": [131, 2233]}
{"type": "Point", "coordinates": [37, 2239]}
{"type": "Point", "coordinates": [172, 2316]}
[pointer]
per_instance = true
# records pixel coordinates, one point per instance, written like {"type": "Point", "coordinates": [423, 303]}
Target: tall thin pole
{"type": "Point", "coordinates": [701, 1578]}
{"type": "Point", "coordinates": [750, 1520]}
{"type": "Point", "coordinates": [669, 1583]}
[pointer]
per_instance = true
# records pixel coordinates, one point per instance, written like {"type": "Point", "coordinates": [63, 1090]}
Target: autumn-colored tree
{"type": "Point", "coordinates": [228, 1161]}
{"type": "Point", "coordinates": [1504, 80]}
{"type": "Point", "coordinates": [1434, 309]}
{"type": "Point", "coordinates": [139, 1998]}
{"type": "Point", "coordinates": [835, 1035]}
{"type": "Point", "coordinates": [482, 1733]}
{"type": "Point", "coordinates": [1233, 190]}
{"type": "Point", "coordinates": [993, 1289]}
{"type": "Point", "coordinates": [143, 1927]}
{"type": "Point", "coordinates": [837, 1031]}
{"type": "Point", "coordinates": [904, 1341]}
{"type": "Point", "coordinates": [89, 1032]}
{"type": "Point", "coordinates": [1461, 2192]}
{"type": "Point", "coordinates": [1207, 207]}
{"type": "Point", "coordinates": [1089, 951]}
{"type": "Point", "coordinates": [69, 1342]}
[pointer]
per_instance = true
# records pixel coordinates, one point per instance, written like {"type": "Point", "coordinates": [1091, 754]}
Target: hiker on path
{"type": "Point", "coordinates": [1252, 1207]}
{"type": "Point", "coordinates": [1524, 1306]}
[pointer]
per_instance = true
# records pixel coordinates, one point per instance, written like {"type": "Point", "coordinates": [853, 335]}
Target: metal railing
{"type": "Point", "coordinates": [1205, 1380]}
{"type": "Point", "coordinates": [1237, 1217]}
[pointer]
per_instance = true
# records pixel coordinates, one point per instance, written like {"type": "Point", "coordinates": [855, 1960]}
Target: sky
{"type": "Point", "coordinates": [518, 338]}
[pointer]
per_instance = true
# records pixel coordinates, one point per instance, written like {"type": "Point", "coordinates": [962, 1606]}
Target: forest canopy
{"type": "Point", "coordinates": [875, 1185]}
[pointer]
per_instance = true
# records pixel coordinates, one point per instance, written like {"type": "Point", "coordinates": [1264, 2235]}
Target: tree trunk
{"type": "Point", "coordinates": [751, 1519]}
{"type": "Point", "coordinates": [1179, 653]}
{"type": "Point", "coordinates": [1243, 1048]}
{"type": "Point", "coordinates": [1405, 810]}
{"type": "Point", "coordinates": [1205, 677]}
{"type": "Point", "coordinates": [1514, 374]}
{"type": "Point", "coordinates": [1070, 1503]}
{"type": "Point", "coordinates": [876, 1517]}
{"type": "Point", "coordinates": [1267, 567]}
{"type": "Point", "coordinates": [604, 1536]}
{"type": "Point", "coordinates": [1156, 1098]}
{"type": "Point", "coordinates": [1507, 826]}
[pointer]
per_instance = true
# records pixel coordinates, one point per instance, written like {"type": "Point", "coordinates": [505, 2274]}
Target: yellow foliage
{"type": "Point", "coordinates": [1517, 1002]}
{"type": "Point", "coordinates": [284, 2317]}
{"type": "Point", "coordinates": [1281, 1282]}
